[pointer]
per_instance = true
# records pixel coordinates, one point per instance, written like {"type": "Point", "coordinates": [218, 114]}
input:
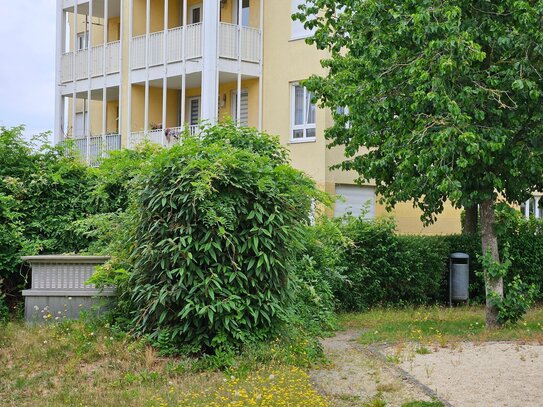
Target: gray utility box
{"type": "Point", "coordinates": [59, 290]}
{"type": "Point", "coordinates": [459, 277]}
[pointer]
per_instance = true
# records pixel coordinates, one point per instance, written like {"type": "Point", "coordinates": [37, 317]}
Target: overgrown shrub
{"type": "Point", "coordinates": [313, 306]}
{"type": "Point", "coordinates": [220, 217]}
{"type": "Point", "coordinates": [381, 268]}
{"type": "Point", "coordinates": [43, 190]}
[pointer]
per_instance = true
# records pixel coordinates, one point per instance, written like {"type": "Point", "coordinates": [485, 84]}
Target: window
{"type": "Point", "coordinates": [245, 12]}
{"type": "Point", "coordinates": [298, 31]}
{"type": "Point", "coordinates": [193, 114]}
{"type": "Point", "coordinates": [303, 114]}
{"type": "Point", "coordinates": [82, 41]}
{"type": "Point", "coordinates": [244, 107]}
{"type": "Point", "coordinates": [195, 14]}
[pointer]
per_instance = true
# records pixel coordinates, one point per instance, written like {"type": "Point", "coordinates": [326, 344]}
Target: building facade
{"type": "Point", "coordinates": [134, 70]}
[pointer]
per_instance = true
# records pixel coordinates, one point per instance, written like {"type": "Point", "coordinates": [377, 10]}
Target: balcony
{"type": "Point", "coordinates": [97, 66]}
{"type": "Point", "coordinates": [93, 149]}
{"type": "Point", "coordinates": [228, 45]}
{"type": "Point", "coordinates": [164, 137]}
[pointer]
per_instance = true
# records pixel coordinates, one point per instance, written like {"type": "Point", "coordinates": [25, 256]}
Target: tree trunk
{"type": "Point", "coordinates": [471, 220]}
{"type": "Point", "coordinates": [489, 243]}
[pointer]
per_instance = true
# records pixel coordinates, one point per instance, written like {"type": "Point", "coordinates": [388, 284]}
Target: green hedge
{"type": "Point", "coordinates": [378, 267]}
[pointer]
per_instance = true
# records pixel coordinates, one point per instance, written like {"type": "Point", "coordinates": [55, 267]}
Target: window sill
{"type": "Point", "coordinates": [304, 140]}
{"type": "Point", "coordinates": [303, 37]}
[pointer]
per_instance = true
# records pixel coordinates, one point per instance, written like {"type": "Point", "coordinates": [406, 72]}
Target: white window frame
{"type": "Point", "coordinates": [235, 11]}
{"type": "Point", "coordinates": [82, 41]}
{"type": "Point", "coordinates": [297, 30]}
{"type": "Point", "coordinates": [305, 126]}
{"type": "Point", "coordinates": [191, 16]}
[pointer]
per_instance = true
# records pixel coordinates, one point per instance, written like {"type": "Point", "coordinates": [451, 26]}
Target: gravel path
{"type": "Point", "coordinates": [488, 374]}
{"type": "Point", "coordinates": [355, 376]}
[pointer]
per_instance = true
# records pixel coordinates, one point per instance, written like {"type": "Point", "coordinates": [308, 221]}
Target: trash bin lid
{"type": "Point", "coordinates": [459, 256]}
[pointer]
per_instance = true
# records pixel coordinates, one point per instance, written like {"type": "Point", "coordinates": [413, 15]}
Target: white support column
{"type": "Point", "coordinates": [74, 53]}
{"type": "Point", "coordinates": [130, 34]}
{"type": "Point", "coordinates": [104, 67]}
{"type": "Point", "coordinates": [119, 128]}
{"type": "Point", "coordinates": [210, 88]}
{"type": "Point", "coordinates": [60, 49]}
{"type": "Point", "coordinates": [260, 83]}
{"type": "Point", "coordinates": [536, 206]}
{"type": "Point", "coordinates": [88, 28]}
{"type": "Point", "coordinates": [184, 61]}
{"type": "Point", "coordinates": [147, 30]}
{"type": "Point", "coordinates": [527, 209]}
{"type": "Point", "coordinates": [238, 98]}
{"type": "Point", "coordinates": [165, 77]}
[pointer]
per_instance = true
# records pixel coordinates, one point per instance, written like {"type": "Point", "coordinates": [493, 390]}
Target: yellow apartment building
{"type": "Point", "coordinates": [134, 70]}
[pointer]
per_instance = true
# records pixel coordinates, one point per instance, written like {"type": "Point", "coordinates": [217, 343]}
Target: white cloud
{"type": "Point", "coordinates": [27, 64]}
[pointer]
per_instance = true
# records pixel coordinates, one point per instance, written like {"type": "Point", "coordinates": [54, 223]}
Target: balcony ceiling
{"type": "Point", "coordinates": [96, 94]}
{"type": "Point", "coordinates": [114, 8]}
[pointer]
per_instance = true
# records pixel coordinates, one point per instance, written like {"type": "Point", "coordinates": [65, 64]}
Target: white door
{"type": "Point", "coordinates": [355, 200]}
{"type": "Point", "coordinates": [244, 109]}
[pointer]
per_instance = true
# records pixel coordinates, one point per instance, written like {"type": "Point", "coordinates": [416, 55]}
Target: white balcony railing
{"type": "Point", "coordinates": [194, 39]}
{"type": "Point", "coordinates": [96, 55]}
{"type": "Point", "coordinates": [156, 48]}
{"type": "Point", "coordinates": [166, 138]}
{"type": "Point", "coordinates": [137, 56]}
{"type": "Point", "coordinates": [97, 60]}
{"type": "Point", "coordinates": [174, 48]}
{"type": "Point", "coordinates": [93, 149]}
{"type": "Point", "coordinates": [229, 43]}
{"type": "Point", "coordinates": [113, 57]}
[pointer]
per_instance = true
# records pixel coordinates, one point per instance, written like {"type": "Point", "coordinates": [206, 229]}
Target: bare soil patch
{"type": "Point", "coordinates": [487, 374]}
{"type": "Point", "coordinates": [355, 376]}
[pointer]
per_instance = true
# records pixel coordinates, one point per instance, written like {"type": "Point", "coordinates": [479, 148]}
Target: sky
{"type": "Point", "coordinates": [27, 64]}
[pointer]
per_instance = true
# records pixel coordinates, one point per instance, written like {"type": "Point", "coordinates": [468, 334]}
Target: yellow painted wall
{"type": "Point", "coordinates": [227, 13]}
{"type": "Point", "coordinates": [286, 61]}
{"type": "Point", "coordinates": [226, 90]}
{"type": "Point", "coordinates": [155, 106]}
{"type": "Point", "coordinates": [175, 15]}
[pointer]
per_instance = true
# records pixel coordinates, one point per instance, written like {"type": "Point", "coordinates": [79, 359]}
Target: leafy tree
{"type": "Point", "coordinates": [445, 95]}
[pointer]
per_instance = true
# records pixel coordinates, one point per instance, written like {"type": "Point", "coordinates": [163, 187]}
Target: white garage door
{"type": "Point", "coordinates": [355, 200]}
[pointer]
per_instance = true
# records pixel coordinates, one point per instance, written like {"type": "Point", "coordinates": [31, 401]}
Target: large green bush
{"type": "Point", "coordinates": [220, 218]}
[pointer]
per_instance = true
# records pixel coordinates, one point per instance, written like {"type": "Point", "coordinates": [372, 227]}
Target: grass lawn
{"type": "Point", "coordinates": [88, 364]}
{"type": "Point", "coordinates": [80, 364]}
{"type": "Point", "coordinates": [439, 325]}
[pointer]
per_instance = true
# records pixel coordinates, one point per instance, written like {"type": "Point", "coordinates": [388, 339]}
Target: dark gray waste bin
{"type": "Point", "coordinates": [459, 277]}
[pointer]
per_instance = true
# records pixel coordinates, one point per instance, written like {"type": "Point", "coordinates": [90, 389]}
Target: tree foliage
{"type": "Point", "coordinates": [447, 97]}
